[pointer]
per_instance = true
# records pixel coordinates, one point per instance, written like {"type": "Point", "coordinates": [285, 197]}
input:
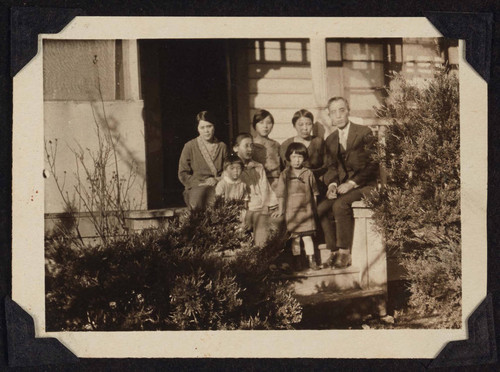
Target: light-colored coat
{"type": "Point", "coordinates": [261, 195]}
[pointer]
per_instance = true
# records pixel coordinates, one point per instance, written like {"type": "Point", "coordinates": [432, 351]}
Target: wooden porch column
{"type": "Point", "coordinates": [130, 62]}
{"type": "Point", "coordinates": [318, 71]}
{"type": "Point", "coordinates": [319, 82]}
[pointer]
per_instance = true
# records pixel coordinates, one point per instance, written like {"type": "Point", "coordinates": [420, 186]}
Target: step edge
{"type": "Point", "coordinates": [330, 272]}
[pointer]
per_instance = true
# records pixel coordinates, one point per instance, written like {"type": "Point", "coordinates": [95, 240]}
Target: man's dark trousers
{"type": "Point", "coordinates": [339, 231]}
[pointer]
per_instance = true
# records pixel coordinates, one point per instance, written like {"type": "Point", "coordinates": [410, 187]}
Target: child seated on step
{"type": "Point", "coordinates": [262, 199]}
{"type": "Point", "coordinates": [231, 186]}
{"type": "Point", "coordinates": [297, 192]}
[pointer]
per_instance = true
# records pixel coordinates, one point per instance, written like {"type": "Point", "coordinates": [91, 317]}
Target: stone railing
{"type": "Point", "coordinates": [368, 249]}
{"type": "Point", "coordinates": [360, 288]}
{"type": "Point", "coordinates": [134, 220]}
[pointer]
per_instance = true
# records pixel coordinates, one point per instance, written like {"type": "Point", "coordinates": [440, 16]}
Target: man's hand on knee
{"type": "Point", "coordinates": [332, 191]}
{"type": "Point", "coordinates": [345, 188]}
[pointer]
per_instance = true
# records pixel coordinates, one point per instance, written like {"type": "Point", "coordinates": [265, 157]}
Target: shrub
{"type": "Point", "coordinates": [418, 211]}
{"type": "Point", "coordinates": [435, 284]}
{"type": "Point", "coordinates": [179, 277]}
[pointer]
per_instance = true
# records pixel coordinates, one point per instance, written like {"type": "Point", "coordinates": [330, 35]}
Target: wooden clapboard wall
{"type": "Point", "coordinates": [274, 75]}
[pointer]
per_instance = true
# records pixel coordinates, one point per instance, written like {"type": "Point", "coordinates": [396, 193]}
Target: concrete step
{"type": "Point", "coordinates": [322, 297]}
{"type": "Point", "coordinates": [148, 219]}
{"type": "Point", "coordinates": [307, 283]}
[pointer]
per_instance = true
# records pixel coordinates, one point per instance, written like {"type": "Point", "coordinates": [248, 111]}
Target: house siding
{"type": "Point", "coordinates": [278, 76]}
{"type": "Point", "coordinates": [279, 80]}
{"type": "Point", "coordinates": [271, 74]}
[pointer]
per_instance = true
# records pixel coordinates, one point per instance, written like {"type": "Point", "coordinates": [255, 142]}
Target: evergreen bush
{"type": "Point", "coordinates": [418, 210]}
{"type": "Point", "coordinates": [199, 272]}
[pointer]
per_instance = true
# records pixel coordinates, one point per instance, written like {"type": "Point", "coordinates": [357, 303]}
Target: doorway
{"type": "Point", "coordinates": [180, 78]}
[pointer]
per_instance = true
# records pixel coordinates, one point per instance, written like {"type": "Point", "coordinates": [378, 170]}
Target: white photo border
{"type": "Point", "coordinates": [28, 273]}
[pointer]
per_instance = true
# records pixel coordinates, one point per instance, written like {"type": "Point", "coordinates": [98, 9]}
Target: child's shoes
{"type": "Point", "coordinates": [297, 264]}
{"type": "Point", "coordinates": [313, 266]}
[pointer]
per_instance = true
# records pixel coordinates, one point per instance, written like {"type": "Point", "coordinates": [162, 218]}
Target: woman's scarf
{"type": "Point", "coordinates": [204, 152]}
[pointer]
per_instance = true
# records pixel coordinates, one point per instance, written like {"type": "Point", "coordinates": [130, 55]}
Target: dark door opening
{"type": "Point", "coordinates": [179, 78]}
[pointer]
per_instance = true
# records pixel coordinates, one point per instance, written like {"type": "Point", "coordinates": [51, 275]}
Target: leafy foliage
{"type": "Point", "coordinates": [200, 272]}
{"type": "Point", "coordinates": [418, 210]}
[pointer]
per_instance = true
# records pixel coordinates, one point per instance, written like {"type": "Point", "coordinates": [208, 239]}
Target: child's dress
{"type": "Point", "coordinates": [230, 189]}
{"type": "Point", "coordinates": [298, 192]}
{"type": "Point", "coordinates": [316, 152]}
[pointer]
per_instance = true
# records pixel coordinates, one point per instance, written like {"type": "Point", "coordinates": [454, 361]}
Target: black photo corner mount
{"type": "Point", "coordinates": [480, 346]}
{"type": "Point", "coordinates": [27, 23]}
{"type": "Point", "coordinates": [477, 31]}
{"type": "Point", "coordinates": [23, 349]}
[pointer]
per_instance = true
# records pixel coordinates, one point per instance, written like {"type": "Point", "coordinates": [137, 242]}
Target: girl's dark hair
{"type": "Point", "coordinates": [302, 114]}
{"type": "Point", "coordinates": [206, 116]}
{"type": "Point", "coordinates": [298, 148]}
{"type": "Point", "coordinates": [233, 159]}
{"type": "Point", "coordinates": [261, 115]}
{"type": "Point", "coordinates": [240, 137]}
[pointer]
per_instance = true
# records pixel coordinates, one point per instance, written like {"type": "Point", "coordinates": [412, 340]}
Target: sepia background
{"type": "Point", "coordinates": [151, 90]}
{"type": "Point", "coordinates": [117, 114]}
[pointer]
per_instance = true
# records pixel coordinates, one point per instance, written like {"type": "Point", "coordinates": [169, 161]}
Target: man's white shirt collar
{"type": "Point", "coordinates": [346, 128]}
{"type": "Point", "coordinates": [343, 133]}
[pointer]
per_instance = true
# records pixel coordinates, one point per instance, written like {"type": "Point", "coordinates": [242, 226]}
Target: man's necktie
{"type": "Point", "coordinates": [343, 139]}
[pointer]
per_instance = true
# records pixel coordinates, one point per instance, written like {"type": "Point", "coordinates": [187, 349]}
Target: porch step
{"type": "Point", "coordinates": [309, 283]}
{"type": "Point", "coordinates": [148, 219]}
{"type": "Point", "coordinates": [322, 297]}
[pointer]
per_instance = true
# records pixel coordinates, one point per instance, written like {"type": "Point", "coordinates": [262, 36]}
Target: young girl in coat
{"type": "Point", "coordinates": [297, 192]}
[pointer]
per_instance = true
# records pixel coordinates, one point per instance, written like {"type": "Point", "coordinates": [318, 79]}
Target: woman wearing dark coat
{"type": "Point", "coordinates": [303, 123]}
{"type": "Point", "coordinates": [201, 164]}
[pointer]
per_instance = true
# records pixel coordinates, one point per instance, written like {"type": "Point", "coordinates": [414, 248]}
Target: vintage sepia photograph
{"type": "Point", "coordinates": [218, 184]}
{"type": "Point", "coordinates": [278, 189]}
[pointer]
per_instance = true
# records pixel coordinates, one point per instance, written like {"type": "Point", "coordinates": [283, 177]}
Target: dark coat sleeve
{"type": "Point", "coordinates": [223, 157]}
{"type": "Point", "coordinates": [366, 170]}
{"type": "Point", "coordinates": [185, 166]}
{"type": "Point", "coordinates": [316, 163]}
{"type": "Point", "coordinates": [283, 148]}
{"type": "Point", "coordinates": [331, 162]}
{"type": "Point", "coordinates": [313, 184]}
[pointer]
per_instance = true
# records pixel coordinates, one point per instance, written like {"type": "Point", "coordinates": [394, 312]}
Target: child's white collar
{"type": "Point", "coordinates": [229, 180]}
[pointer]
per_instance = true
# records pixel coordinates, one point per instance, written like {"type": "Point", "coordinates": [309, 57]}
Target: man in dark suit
{"type": "Point", "coordinates": [351, 173]}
